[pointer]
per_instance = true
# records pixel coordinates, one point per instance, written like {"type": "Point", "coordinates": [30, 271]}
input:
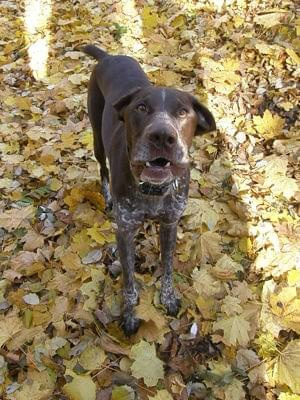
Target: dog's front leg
{"type": "Point", "coordinates": [126, 248]}
{"type": "Point", "coordinates": [167, 246]}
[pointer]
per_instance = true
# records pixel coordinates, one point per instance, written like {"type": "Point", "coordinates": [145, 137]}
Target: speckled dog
{"type": "Point", "coordinates": [145, 132]}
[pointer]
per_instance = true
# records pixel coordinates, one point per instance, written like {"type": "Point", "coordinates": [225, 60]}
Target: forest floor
{"type": "Point", "coordinates": [238, 254]}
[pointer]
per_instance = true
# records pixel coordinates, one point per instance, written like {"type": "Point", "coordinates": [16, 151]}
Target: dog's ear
{"type": "Point", "coordinates": [121, 103]}
{"type": "Point", "coordinates": [206, 121]}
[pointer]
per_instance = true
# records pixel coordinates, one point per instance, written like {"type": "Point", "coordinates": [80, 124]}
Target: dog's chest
{"type": "Point", "coordinates": [134, 210]}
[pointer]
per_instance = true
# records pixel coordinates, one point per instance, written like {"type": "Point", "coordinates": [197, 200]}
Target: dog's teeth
{"type": "Point", "coordinates": [168, 164]}
{"type": "Point", "coordinates": [148, 164]}
{"type": "Point", "coordinates": [141, 182]}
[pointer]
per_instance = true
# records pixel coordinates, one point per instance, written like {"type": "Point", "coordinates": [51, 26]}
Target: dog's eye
{"type": "Point", "coordinates": [142, 107]}
{"type": "Point", "coordinates": [182, 113]}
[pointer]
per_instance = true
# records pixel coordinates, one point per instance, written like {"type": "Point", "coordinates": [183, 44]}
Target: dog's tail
{"type": "Point", "coordinates": [94, 51]}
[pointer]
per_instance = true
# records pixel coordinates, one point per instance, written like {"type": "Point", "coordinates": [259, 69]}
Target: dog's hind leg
{"type": "Point", "coordinates": [96, 105]}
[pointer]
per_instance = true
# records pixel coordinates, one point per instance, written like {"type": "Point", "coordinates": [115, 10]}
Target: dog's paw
{"type": "Point", "coordinates": [108, 205]}
{"type": "Point", "coordinates": [171, 302]}
{"type": "Point", "coordinates": [130, 324]}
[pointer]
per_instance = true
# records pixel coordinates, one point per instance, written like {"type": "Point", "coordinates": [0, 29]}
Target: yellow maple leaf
{"type": "Point", "coordinates": [147, 312]}
{"type": "Point", "coordinates": [92, 357]}
{"type": "Point", "coordinates": [231, 305]}
{"type": "Point", "coordinates": [226, 268]}
{"type": "Point", "coordinates": [207, 247]}
{"type": "Point", "coordinates": [269, 126]}
{"type": "Point", "coordinates": [24, 103]}
{"type": "Point", "coordinates": [293, 56]}
{"type": "Point", "coordinates": [77, 79]}
{"type": "Point", "coordinates": [179, 21]}
{"type": "Point", "coordinates": [199, 211]}
{"type": "Point", "coordinates": [79, 194]}
{"type": "Point", "coordinates": [161, 395]}
{"type": "Point", "coordinates": [10, 325]}
{"type": "Point", "coordinates": [123, 392]}
{"type": "Point", "coordinates": [269, 20]}
{"type": "Point", "coordinates": [149, 17]}
{"type": "Point", "coordinates": [55, 184]}
{"type": "Point", "coordinates": [287, 396]}
{"type": "Point", "coordinates": [286, 306]}
{"type": "Point", "coordinates": [71, 261]}
{"type": "Point", "coordinates": [14, 218]}
{"type": "Point", "coordinates": [99, 234]}
{"type": "Point", "coordinates": [287, 367]}
{"type": "Point", "coordinates": [87, 139]}
{"type": "Point", "coordinates": [204, 283]}
{"type": "Point", "coordinates": [293, 277]}
{"type": "Point", "coordinates": [81, 387]}
{"type": "Point", "coordinates": [280, 184]}
{"type": "Point", "coordinates": [146, 365]}
{"type": "Point", "coordinates": [150, 332]}
{"type": "Point", "coordinates": [167, 78]}
{"type": "Point", "coordinates": [206, 306]}
{"type": "Point", "coordinates": [234, 390]}
{"type": "Point", "coordinates": [32, 390]}
{"type": "Point", "coordinates": [235, 330]}
{"type": "Point", "coordinates": [95, 198]}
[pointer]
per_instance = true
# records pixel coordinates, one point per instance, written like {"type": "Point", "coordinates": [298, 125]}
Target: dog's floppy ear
{"type": "Point", "coordinates": [121, 103]}
{"type": "Point", "coordinates": [206, 121]}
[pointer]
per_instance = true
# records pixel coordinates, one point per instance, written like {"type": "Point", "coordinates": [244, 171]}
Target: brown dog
{"type": "Point", "coordinates": [145, 132]}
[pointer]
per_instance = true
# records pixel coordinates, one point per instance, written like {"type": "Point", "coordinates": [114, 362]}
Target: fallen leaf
{"type": "Point", "coordinates": [32, 299]}
{"type": "Point", "coordinates": [10, 325]}
{"type": "Point", "coordinates": [269, 126]}
{"type": "Point", "coordinates": [81, 387]}
{"type": "Point", "coordinates": [92, 257]}
{"type": "Point", "coordinates": [161, 395]}
{"type": "Point", "coordinates": [199, 211]}
{"type": "Point", "coordinates": [92, 358]}
{"type": "Point", "coordinates": [204, 282]}
{"type": "Point", "coordinates": [146, 365]}
{"type": "Point", "coordinates": [269, 20]}
{"type": "Point", "coordinates": [15, 218]}
{"type": "Point", "coordinates": [235, 330]}
{"type": "Point", "coordinates": [235, 390]}
{"type": "Point", "coordinates": [123, 392]}
{"type": "Point", "coordinates": [287, 367]}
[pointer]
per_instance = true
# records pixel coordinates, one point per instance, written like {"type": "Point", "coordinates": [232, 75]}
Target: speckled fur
{"type": "Point", "coordinates": [129, 213]}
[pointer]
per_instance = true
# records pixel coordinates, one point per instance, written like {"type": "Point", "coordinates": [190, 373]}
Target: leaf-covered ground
{"type": "Point", "coordinates": [238, 253]}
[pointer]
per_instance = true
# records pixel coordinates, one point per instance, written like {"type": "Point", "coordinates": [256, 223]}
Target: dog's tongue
{"type": "Point", "coordinates": [156, 175]}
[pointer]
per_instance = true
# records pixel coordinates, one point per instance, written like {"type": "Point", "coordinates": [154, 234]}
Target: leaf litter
{"type": "Point", "coordinates": [237, 258]}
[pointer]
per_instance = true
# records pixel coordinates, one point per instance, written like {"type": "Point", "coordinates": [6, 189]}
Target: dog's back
{"type": "Point", "coordinates": [116, 75]}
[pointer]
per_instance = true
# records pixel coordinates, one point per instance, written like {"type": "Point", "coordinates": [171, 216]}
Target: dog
{"type": "Point", "coordinates": [145, 132]}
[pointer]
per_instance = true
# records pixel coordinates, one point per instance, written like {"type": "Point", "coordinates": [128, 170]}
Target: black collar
{"type": "Point", "coordinates": [157, 190]}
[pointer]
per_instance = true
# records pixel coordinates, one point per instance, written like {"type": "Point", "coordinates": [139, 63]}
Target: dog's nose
{"type": "Point", "coordinates": [162, 139]}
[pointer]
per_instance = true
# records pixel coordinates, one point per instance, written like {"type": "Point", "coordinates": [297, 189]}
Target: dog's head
{"type": "Point", "coordinates": [160, 125]}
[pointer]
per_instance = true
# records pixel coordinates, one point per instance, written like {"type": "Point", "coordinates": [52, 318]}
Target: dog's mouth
{"type": "Point", "coordinates": [158, 163]}
{"type": "Point", "coordinates": [157, 171]}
